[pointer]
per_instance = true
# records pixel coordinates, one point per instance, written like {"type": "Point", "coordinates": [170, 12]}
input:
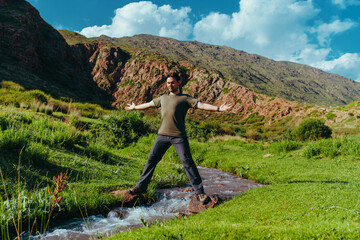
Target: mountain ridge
{"type": "Point", "coordinates": [126, 73]}
{"type": "Point", "coordinates": [291, 81]}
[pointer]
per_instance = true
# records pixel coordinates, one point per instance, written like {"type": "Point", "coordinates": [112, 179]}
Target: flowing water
{"type": "Point", "coordinates": [171, 202]}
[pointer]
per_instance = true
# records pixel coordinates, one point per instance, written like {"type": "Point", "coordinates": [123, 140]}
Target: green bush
{"type": "Point", "coordinates": [311, 129]}
{"type": "Point", "coordinates": [98, 152]}
{"type": "Point", "coordinates": [286, 146]}
{"type": "Point", "coordinates": [39, 95]}
{"type": "Point", "coordinates": [204, 130]}
{"type": "Point", "coordinates": [119, 129]}
{"type": "Point", "coordinates": [333, 147]}
{"type": "Point", "coordinates": [3, 122]}
{"type": "Point", "coordinates": [36, 155]}
{"type": "Point", "coordinates": [57, 133]}
{"type": "Point", "coordinates": [330, 116]}
{"type": "Point", "coordinates": [13, 138]}
{"type": "Point", "coordinates": [312, 150]}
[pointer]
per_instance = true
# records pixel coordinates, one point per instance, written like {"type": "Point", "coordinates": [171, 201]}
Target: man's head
{"type": "Point", "coordinates": [173, 83]}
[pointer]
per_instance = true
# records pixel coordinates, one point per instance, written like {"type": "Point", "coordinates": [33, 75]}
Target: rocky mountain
{"type": "Point", "coordinates": [35, 55]}
{"type": "Point", "coordinates": [140, 75]}
{"type": "Point", "coordinates": [137, 75]}
{"type": "Point", "coordinates": [119, 71]}
{"type": "Point", "coordinates": [287, 80]}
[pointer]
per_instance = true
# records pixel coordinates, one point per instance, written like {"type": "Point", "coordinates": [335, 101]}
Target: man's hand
{"type": "Point", "coordinates": [224, 107]}
{"type": "Point", "coordinates": [139, 107]}
{"type": "Point", "coordinates": [130, 107]}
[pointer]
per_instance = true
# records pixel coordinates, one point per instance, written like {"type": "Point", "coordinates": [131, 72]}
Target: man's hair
{"type": "Point", "coordinates": [175, 76]}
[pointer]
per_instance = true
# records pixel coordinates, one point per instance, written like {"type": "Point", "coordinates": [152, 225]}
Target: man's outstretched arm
{"type": "Point", "coordinates": [205, 106]}
{"type": "Point", "coordinates": [132, 106]}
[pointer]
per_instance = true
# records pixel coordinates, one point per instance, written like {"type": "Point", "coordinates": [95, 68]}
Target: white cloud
{"type": "Point", "coordinates": [277, 29]}
{"type": "Point", "coordinates": [145, 17]}
{"type": "Point", "coordinates": [326, 30]}
{"type": "Point", "coordinates": [343, 4]}
{"type": "Point", "coordinates": [311, 55]}
{"type": "Point", "coordinates": [347, 65]}
{"type": "Point", "coordinates": [273, 28]}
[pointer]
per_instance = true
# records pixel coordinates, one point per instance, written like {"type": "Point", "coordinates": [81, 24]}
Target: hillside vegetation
{"type": "Point", "coordinates": [65, 143]}
{"type": "Point", "coordinates": [286, 80]}
{"type": "Point", "coordinates": [102, 150]}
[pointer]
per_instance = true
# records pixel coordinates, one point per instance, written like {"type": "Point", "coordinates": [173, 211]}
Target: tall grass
{"type": "Point", "coordinates": [56, 133]}
{"type": "Point", "coordinates": [284, 146]}
{"type": "Point", "coordinates": [55, 143]}
{"type": "Point", "coordinates": [346, 145]}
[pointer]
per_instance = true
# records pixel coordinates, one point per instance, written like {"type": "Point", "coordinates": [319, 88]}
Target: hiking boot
{"type": "Point", "coordinates": [136, 190]}
{"type": "Point", "coordinates": [203, 198]}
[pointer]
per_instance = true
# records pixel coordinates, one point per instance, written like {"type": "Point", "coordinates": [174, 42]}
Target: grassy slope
{"type": "Point", "coordinates": [35, 146]}
{"type": "Point", "coordinates": [310, 198]}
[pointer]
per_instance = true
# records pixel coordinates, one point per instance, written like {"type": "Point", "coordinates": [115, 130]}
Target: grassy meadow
{"type": "Point", "coordinates": [308, 194]}
{"type": "Point", "coordinates": [311, 187]}
{"type": "Point", "coordinates": [41, 138]}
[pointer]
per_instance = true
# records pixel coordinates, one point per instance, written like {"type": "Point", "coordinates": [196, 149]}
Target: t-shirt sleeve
{"type": "Point", "coordinates": [157, 102]}
{"type": "Point", "coordinates": [192, 101]}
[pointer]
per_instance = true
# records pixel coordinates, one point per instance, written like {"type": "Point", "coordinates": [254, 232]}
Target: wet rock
{"type": "Point", "coordinates": [195, 206]}
{"type": "Point", "coordinates": [188, 189]}
{"type": "Point", "coordinates": [128, 199]}
{"type": "Point", "coordinates": [181, 214]}
{"type": "Point", "coordinates": [118, 213]}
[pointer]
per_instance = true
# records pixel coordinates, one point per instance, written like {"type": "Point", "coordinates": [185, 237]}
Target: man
{"type": "Point", "coordinates": [174, 107]}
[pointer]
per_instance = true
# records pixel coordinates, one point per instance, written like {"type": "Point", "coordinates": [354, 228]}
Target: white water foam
{"type": "Point", "coordinates": [86, 228]}
{"type": "Point", "coordinates": [171, 201]}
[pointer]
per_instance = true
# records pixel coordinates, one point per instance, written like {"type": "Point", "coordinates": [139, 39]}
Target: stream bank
{"type": "Point", "coordinates": [172, 203]}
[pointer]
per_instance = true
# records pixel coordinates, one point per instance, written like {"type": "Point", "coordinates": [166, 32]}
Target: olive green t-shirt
{"type": "Point", "coordinates": [173, 112]}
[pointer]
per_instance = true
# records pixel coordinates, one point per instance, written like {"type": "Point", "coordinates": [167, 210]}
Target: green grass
{"type": "Point", "coordinates": [34, 147]}
{"type": "Point", "coordinates": [308, 198]}
{"type": "Point", "coordinates": [311, 187]}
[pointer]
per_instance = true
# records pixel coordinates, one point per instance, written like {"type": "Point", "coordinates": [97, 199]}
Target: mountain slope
{"type": "Point", "coordinates": [140, 75]}
{"type": "Point", "coordinates": [287, 80]}
{"type": "Point", "coordinates": [35, 55]}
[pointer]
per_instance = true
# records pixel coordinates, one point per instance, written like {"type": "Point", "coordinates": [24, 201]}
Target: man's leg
{"type": "Point", "coordinates": [160, 146]}
{"type": "Point", "coordinates": [182, 148]}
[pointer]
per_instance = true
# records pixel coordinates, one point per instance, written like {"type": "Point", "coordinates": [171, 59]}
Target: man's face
{"type": "Point", "coordinates": [172, 84]}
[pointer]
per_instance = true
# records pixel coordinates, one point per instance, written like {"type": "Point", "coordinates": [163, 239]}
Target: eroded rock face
{"type": "Point", "coordinates": [141, 76]}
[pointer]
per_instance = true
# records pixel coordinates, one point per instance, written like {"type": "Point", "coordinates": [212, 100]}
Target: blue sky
{"type": "Point", "coordinates": [320, 33]}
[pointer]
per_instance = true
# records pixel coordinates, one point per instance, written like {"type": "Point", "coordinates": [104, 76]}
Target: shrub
{"type": "Point", "coordinates": [312, 150]}
{"type": "Point", "coordinates": [311, 129]}
{"type": "Point", "coordinates": [13, 138]}
{"type": "Point", "coordinates": [11, 86]}
{"type": "Point", "coordinates": [39, 95]}
{"type": "Point", "coordinates": [119, 129]}
{"type": "Point", "coordinates": [253, 134]}
{"type": "Point", "coordinates": [253, 118]}
{"type": "Point", "coordinates": [36, 155]}
{"type": "Point", "coordinates": [202, 131]}
{"type": "Point", "coordinates": [98, 151]}
{"type": "Point", "coordinates": [3, 122]}
{"type": "Point", "coordinates": [330, 116]}
{"type": "Point", "coordinates": [286, 146]}
{"type": "Point", "coordinates": [57, 133]}
{"type": "Point", "coordinates": [348, 145]}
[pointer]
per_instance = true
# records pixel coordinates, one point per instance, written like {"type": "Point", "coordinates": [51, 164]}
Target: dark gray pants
{"type": "Point", "coordinates": [181, 145]}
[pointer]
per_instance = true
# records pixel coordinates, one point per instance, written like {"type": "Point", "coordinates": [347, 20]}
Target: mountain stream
{"type": "Point", "coordinates": [171, 202]}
